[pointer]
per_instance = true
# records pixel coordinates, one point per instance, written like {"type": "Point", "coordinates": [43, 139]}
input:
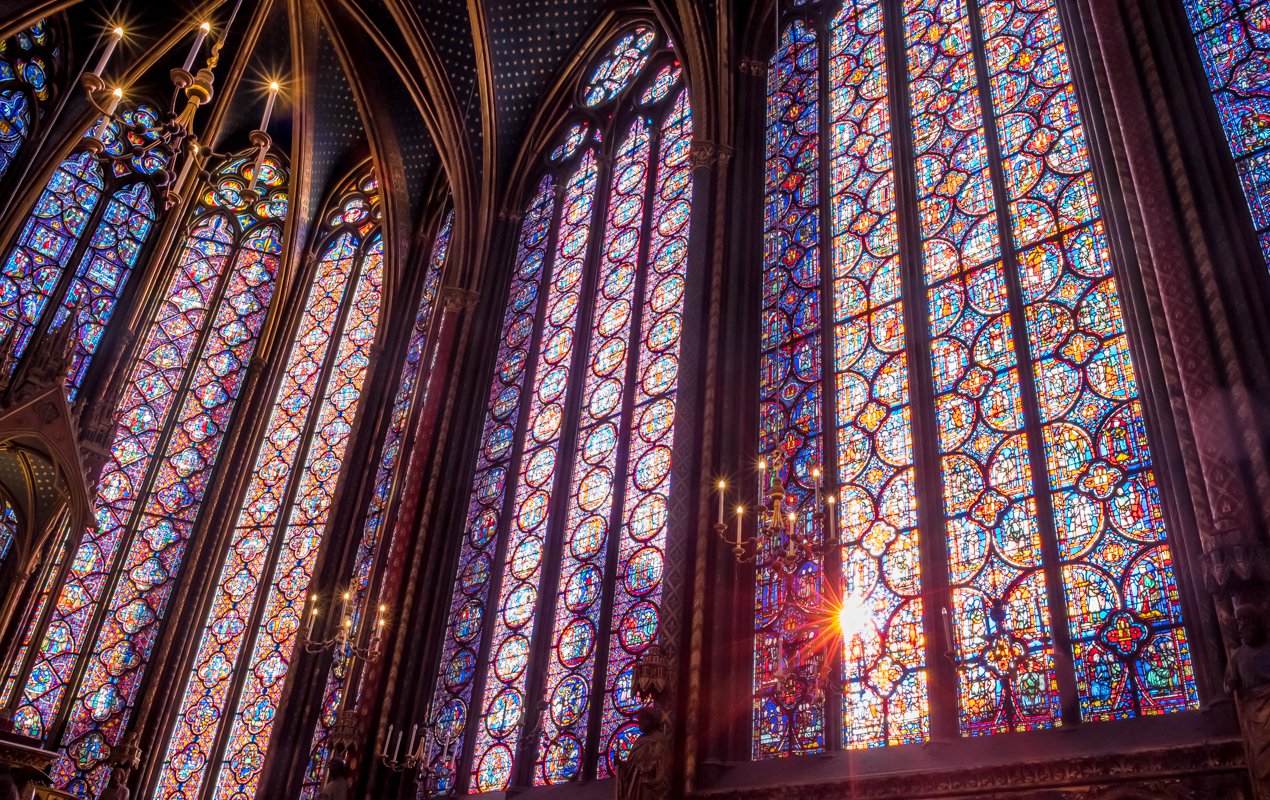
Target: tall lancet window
{"type": "Point", "coordinates": [944, 337]}
{"type": "Point", "coordinates": [79, 243]}
{"type": "Point", "coordinates": [28, 62]}
{"type": "Point", "coordinates": [558, 588]}
{"type": "Point", "coordinates": [230, 696]}
{"type": "Point", "coordinates": [176, 406]}
{"type": "Point", "coordinates": [412, 389]}
{"type": "Point", "coordinates": [1233, 37]}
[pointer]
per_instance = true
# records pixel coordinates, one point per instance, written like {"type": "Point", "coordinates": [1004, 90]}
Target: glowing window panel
{"type": "Point", "coordinates": [8, 528]}
{"type": "Point", "coordinates": [225, 634]}
{"type": "Point", "coordinates": [665, 80]}
{"type": "Point", "coordinates": [34, 614]}
{"type": "Point", "coordinates": [573, 139]}
{"type": "Point", "coordinates": [172, 502]}
{"type": "Point", "coordinates": [104, 269]}
{"type": "Point", "coordinates": [576, 635]}
{"type": "Point", "coordinates": [143, 411]}
{"type": "Point", "coordinates": [637, 610]}
{"type": "Point", "coordinates": [15, 124]}
{"type": "Point", "coordinates": [1232, 39]}
{"type": "Point", "coordinates": [884, 657]}
{"type": "Point", "coordinates": [790, 392]}
{"type": "Point", "coordinates": [620, 67]}
{"type": "Point", "coordinates": [1124, 611]}
{"type": "Point", "coordinates": [265, 671]}
{"type": "Point", "coordinates": [466, 620]}
{"type": "Point", "coordinates": [34, 266]}
{"type": "Point", "coordinates": [1000, 616]}
{"type": "Point", "coordinates": [1028, 311]}
{"type": "Point", "coordinates": [25, 63]}
{"type": "Point", "coordinates": [503, 704]}
{"type": "Point", "coordinates": [390, 467]}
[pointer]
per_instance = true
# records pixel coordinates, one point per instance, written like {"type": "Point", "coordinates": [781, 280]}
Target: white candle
{"type": "Point", "coordinates": [112, 42]}
{"type": "Point", "coordinates": [396, 751]}
{"type": "Point", "coordinates": [414, 733]}
{"type": "Point", "coordinates": [387, 739]}
{"type": "Point", "coordinates": [831, 511]}
{"type": "Point", "coordinates": [187, 166]}
{"type": "Point", "coordinates": [722, 493]}
{"type": "Point", "coordinates": [111, 107]}
{"type": "Point", "coordinates": [203, 30]}
{"type": "Point", "coordinates": [273, 95]}
{"type": "Point", "coordinates": [740, 512]}
{"type": "Point", "coordinates": [308, 634]}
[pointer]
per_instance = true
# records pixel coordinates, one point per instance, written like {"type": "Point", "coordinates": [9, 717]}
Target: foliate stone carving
{"type": "Point", "coordinates": [708, 154]}
{"type": "Point", "coordinates": [455, 299]}
{"type": "Point", "coordinates": [701, 154]}
{"type": "Point", "coordinates": [752, 66]}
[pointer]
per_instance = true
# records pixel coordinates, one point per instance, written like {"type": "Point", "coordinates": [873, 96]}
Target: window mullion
{"type": "Point", "coordinates": [232, 697]}
{"type": "Point", "coordinates": [1058, 618]}
{"type": "Point", "coordinates": [831, 564]}
{"type": "Point", "coordinates": [544, 615]}
{"type": "Point", "coordinates": [463, 769]}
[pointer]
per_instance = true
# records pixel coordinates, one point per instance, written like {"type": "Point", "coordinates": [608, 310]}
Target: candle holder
{"type": "Point", "coordinates": [343, 640]}
{"type": "Point", "coordinates": [774, 521]}
{"type": "Point", "coordinates": [421, 754]}
{"type": "Point", "coordinates": [161, 142]}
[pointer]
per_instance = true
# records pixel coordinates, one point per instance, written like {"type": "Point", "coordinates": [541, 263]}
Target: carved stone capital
{"type": "Point", "coordinates": [1237, 560]}
{"type": "Point", "coordinates": [509, 215]}
{"type": "Point", "coordinates": [701, 154]}
{"type": "Point", "coordinates": [455, 299]}
{"type": "Point", "coordinates": [752, 66]}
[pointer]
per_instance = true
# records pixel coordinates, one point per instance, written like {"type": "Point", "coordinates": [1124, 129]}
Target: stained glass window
{"type": "Point", "coordinates": [1233, 44]}
{"type": "Point", "coordinates": [275, 541]}
{"type": "Point", "coordinates": [411, 391]}
{"type": "Point", "coordinates": [8, 528]}
{"type": "Point", "coordinates": [572, 479]}
{"type": "Point", "coordinates": [95, 215]}
{"type": "Point", "coordinates": [1047, 512]}
{"type": "Point", "coordinates": [174, 412]}
{"type": "Point", "coordinates": [28, 63]}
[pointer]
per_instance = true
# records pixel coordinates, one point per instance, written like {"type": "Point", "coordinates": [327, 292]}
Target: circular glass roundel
{"type": "Point", "coordinates": [638, 627]}
{"type": "Point", "coordinates": [504, 713]}
{"type": "Point", "coordinates": [621, 743]}
{"type": "Point", "coordinates": [619, 66]}
{"type": "Point", "coordinates": [576, 642]}
{"type": "Point", "coordinates": [511, 658]}
{"type": "Point", "coordinates": [460, 669]}
{"type": "Point", "coordinates": [495, 769]}
{"type": "Point", "coordinates": [569, 701]}
{"type": "Point", "coordinates": [569, 145]}
{"type": "Point", "coordinates": [562, 760]}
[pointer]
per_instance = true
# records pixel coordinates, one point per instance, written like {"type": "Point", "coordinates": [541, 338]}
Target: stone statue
{"type": "Point", "coordinates": [645, 773]}
{"type": "Point", "coordinates": [1248, 677]}
{"type": "Point", "coordinates": [117, 788]}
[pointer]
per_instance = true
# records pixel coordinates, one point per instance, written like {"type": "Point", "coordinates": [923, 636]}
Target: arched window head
{"type": "Point", "coordinates": [572, 480]}
{"type": "Point", "coordinates": [175, 410]}
{"type": "Point", "coordinates": [251, 631]}
{"type": "Point", "coordinates": [28, 63]}
{"type": "Point", "coordinates": [944, 355]}
{"type": "Point", "coordinates": [81, 241]}
{"type": "Point", "coordinates": [1232, 43]}
{"type": "Point", "coordinates": [366, 624]}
